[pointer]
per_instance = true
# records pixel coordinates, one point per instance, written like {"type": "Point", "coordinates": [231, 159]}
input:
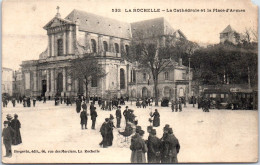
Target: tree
{"type": "Point", "coordinates": [85, 69]}
{"type": "Point", "coordinates": [225, 64]}
{"type": "Point", "coordinates": [155, 55]}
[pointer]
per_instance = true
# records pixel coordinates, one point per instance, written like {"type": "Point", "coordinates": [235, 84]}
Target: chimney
{"type": "Point", "coordinates": [180, 61]}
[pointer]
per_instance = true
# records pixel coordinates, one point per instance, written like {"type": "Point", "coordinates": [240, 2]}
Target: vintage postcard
{"type": "Point", "coordinates": [141, 81]}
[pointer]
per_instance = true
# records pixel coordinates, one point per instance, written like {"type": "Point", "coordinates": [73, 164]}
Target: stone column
{"type": "Point", "coordinates": [34, 81]}
{"type": "Point", "coordinates": [52, 81]}
{"type": "Point", "coordinates": [100, 44]}
{"type": "Point", "coordinates": [70, 41]}
{"type": "Point", "coordinates": [64, 43]}
{"type": "Point", "coordinates": [69, 83]}
{"type": "Point", "coordinates": [118, 81]}
{"type": "Point", "coordinates": [76, 86]}
{"type": "Point", "coordinates": [111, 45]}
{"type": "Point", "coordinates": [55, 81]}
{"type": "Point", "coordinates": [47, 81]}
{"type": "Point", "coordinates": [52, 45]}
{"type": "Point", "coordinates": [88, 42]}
{"type": "Point", "coordinates": [64, 79]}
{"type": "Point", "coordinates": [49, 45]}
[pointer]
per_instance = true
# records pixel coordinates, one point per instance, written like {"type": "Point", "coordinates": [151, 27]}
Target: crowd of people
{"type": "Point", "coordinates": [163, 150]}
{"type": "Point", "coordinates": [11, 133]}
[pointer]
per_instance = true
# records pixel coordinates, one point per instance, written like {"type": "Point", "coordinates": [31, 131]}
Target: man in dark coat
{"type": "Point", "coordinates": [126, 113]}
{"type": "Point", "coordinates": [83, 119]}
{"type": "Point", "coordinates": [92, 107]}
{"type": "Point", "coordinates": [176, 106]}
{"type": "Point", "coordinates": [104, 130]}
{"type": "Point", "coordinates": [13, 102]}
{"type": "Point", "coordinates": [180, 106]}
{"type": "Point", "coordinates": [153, 145]}
{"type": "Point", "coordinates": [93, 118]}
{"type": "Point", "coordinates": [174, 147]}
{"type": "Point", "coordinates": [28, 102]}
{"type": "Point", "coordinates": [172, 106]}
{"type": "Point", "coordinates": [16, 125]}
{"type": "Point", "coordinates": [156, 118]}
{"type": "Point", "coordinates": [110, 135]}
{"type": "Point", "coordinates": [78, 105]}
{"type": "Point", "coordinates": [165, 145]}
{"type": "Point", "coordinates": [138, 147]}
{"type": "Point", "coordinates": [118, 116]}
{"type": "Point", "coordinates": [44, 99]}
{"type": "Point", "coordinates": [34, 101]}
{"type": "Point", "coordinates": [7, 138]}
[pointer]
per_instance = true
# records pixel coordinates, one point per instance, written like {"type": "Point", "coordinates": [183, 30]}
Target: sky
{"type": "Point", "coordinates": [23, 36]}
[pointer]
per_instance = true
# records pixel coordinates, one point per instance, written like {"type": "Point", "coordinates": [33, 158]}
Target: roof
{"type": "Point", "coordinates": [151, 28]}
{"type": "Point", "coordinates": [228, 29]}
{"type": "Point", "coordinates": [101, 25]}
{"type": "Point", "coordinates": [56, 21]}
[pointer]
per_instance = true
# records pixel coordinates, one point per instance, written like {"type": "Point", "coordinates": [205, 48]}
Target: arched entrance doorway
{"type": "Point", "coordinates": [167, 92]}
{"type": "Point", "coordinates": [44, 87]}
{"type": "Point", "coordinates": [133, 93]}
{"type": "Point", "coordinates": [59, 84]}
{"type": "Point", "coordinates": [144, 92]}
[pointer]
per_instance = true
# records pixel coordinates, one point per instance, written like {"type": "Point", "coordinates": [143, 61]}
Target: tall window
{"type": "Point", "coordinates": [166, 76]}
{"type": "Point", "coordinates": [184, 76]}
{"type": "Point", "coordinates": [94, 46]}
{"type": "Point", "coordinates": [60, 47]}
{"type": "Point", "coordinates": [144, 76]}
{"type": "Point", "coordinates": [105, 46]}
{"type": "Point", "coordinates": [117, 47]}
{"type": "Point", "coordinates": [127, 49]}
{"type": "Point", "coordinates": [94, 82]}
{"type": "Point", "coordinates": [122, 79]}
{"type": "Point", "coordinates": [134, 76]}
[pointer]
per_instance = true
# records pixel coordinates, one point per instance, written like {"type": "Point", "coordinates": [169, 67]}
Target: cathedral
{"type": "Point", "coordinates": [81, 33]}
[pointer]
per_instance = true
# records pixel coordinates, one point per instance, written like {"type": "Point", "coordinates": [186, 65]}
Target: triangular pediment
{"type": "Point", "coordinates": [56, 22]}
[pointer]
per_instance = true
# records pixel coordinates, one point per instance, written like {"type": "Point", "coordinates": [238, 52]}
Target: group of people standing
{"type": "Point", "coordinates": [176, 105]}
{"type": "Point", "coordinates": [84, 115]}
{"type": "Point", "coordinates": [11, 133]}
{"type": "Point", "coordinates": [162, 150]}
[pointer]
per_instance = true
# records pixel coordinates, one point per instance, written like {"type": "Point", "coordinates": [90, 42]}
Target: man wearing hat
{"type": "Point", "coordinates": [138, 147]}
{"type": "Point", "coordinates": [104, 130]}
{"type": "Point", "coordinates": [165, 145]}
{"type": "Point", "coordinates": [110, 135]}
{"type": "Point", "coordinates": [83, 119]}
{"type": "Point", "coordinates": [7, 138]}
{"type": "Point", "coordinates": [174, 147]}
{"type": "Point", "coordinates": [126, 113]}
{"type": "Point", "coordinates": [93, 118]}
{"type": "Point", "coordinates": [153, 145]}
{"type": "Point", "coordinates": [118, 116]}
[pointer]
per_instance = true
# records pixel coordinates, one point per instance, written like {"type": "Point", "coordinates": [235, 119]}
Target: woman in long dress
{"type": "Point", "coordinates": [156, 118]}
{"type": "Point", "coordinates": [16, 125]}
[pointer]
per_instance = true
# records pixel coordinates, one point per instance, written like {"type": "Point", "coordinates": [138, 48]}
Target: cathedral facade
{"type": "Point", "coordinates": [81, 33]}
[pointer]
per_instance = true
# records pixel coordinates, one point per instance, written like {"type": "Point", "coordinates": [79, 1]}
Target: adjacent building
{"type": "Point", "coordinates": [18, 89]}
{"type": "Point", "coordinates": [7, 81]}
{"type": "Point", "coordinates": [81, 33]}
{"type": "Point", "coordinates": [230, 35]}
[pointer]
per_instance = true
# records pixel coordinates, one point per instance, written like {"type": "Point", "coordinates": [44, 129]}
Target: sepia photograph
{"type": "Point", "coordinates": [173, 81]}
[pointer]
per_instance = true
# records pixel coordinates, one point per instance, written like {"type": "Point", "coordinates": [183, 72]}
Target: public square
{"type": "Point", "coordinates": [217, 136]}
